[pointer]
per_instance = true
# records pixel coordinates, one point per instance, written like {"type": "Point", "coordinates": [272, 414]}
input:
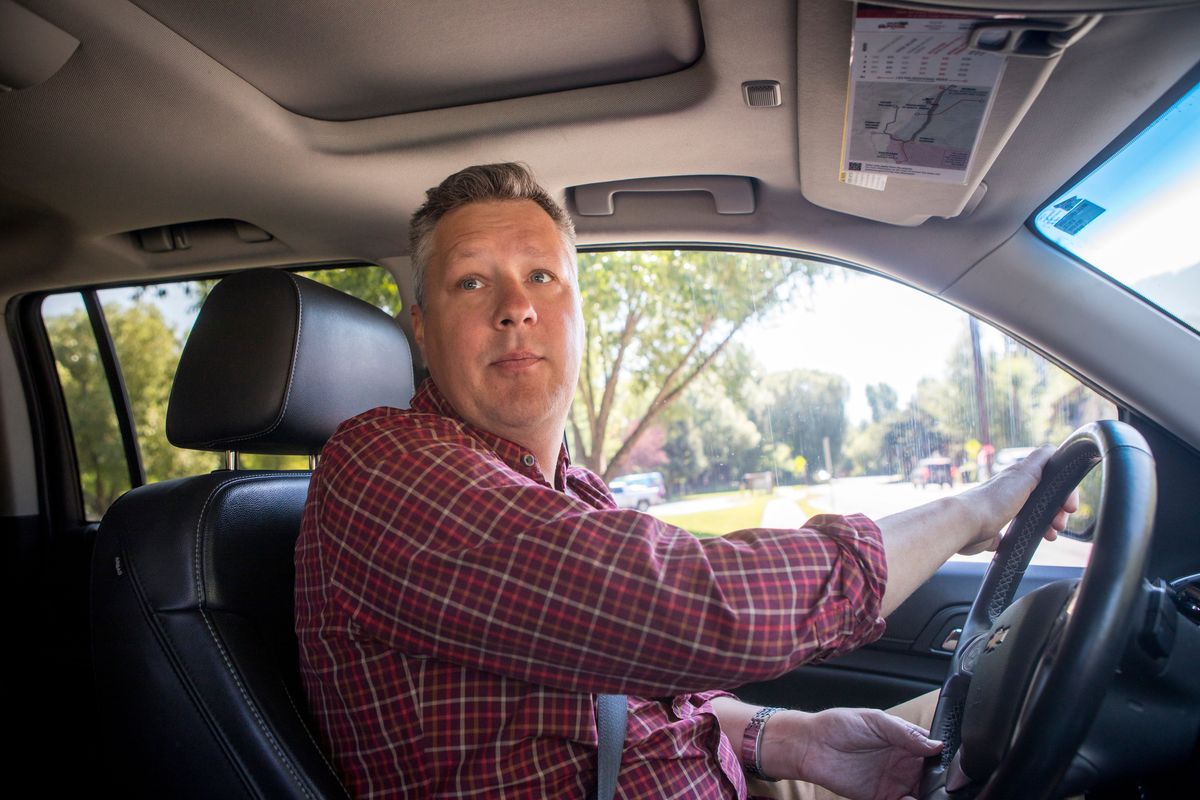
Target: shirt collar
{"type": "Point", "coordinates": [430, 400]}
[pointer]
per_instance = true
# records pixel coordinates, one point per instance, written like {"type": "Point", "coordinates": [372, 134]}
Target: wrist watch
{"type": "Point", "coordinates": [752, 744]}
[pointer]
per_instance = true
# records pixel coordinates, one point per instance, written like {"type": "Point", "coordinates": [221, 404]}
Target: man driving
{"type": "Point", "coordinates": [463, 591]}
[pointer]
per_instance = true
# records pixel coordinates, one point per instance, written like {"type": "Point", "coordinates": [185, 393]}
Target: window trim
{"type": "Point", "coordinates": [122, 406]}
{"type": "Point", "coordinates": [60, 492]}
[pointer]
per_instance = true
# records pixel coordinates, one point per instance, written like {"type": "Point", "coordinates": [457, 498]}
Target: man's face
{"type": "Point", "coordinates": [501, 326]}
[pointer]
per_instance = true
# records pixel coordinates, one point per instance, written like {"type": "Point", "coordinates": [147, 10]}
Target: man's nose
{"type": "Point", "coordinates": [514, 306]}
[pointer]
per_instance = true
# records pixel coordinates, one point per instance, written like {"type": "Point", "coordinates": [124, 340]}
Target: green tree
{"type": "Point", "coordinates": [863, 452]}
{"type": "Point", "coordinates": [804, 408]}
{"type": "Point", "coordinates": [103, 474]}
{"type": "Point", "coordinates": [370, 283]}
{"type": "Point", "coordinates": [908, 437]}
{"type": "Point", "coordinates": [654, 322]}
{"type": "Point", "coordinates": [148, 351]}
{"type": "Point", "coordinates": [711, 439]}
{"type": "Point", "coordinates": [367, 282]}
{"type": "Point", "coordinates": [684, 448]}
{"type": "Point", "coordinates": [882, 399]}
{"type": "Point", "coordinates": [1014, 390]}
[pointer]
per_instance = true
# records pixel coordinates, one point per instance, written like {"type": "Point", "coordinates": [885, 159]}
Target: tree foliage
{"type": "Point", "coordinates": [373, 284]}
{"type": "Point", "coordinates": [370, 283]}
{"type": "Point", "coordinates": [148, 351]}
{"type": "Point", "coordinates": [806, 407]}
{"type": "Point", "coordinates": [654, 322]}
{"type": "Point", "coordinates": [711, 439]}
{"type": "Point", "coordinates": [883, 400]}
{"type": "Point", "coordinates": [1027, 401]}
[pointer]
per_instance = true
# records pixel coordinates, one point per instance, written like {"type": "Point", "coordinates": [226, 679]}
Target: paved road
{"type": "Point", "coordinates": [784, 511]}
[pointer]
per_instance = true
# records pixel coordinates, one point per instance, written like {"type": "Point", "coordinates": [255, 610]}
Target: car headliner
{"type": "Point", "coordinates": [141, 127]}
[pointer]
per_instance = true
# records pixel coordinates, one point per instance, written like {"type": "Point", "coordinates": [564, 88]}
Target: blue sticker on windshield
{"type": "Point", "coordinates": [1078, 218]}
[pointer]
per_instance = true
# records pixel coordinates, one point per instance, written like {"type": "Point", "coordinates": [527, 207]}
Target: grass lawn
{"type": "Point", "coordinates": [709, 495]}
{"type": "Point", "coordinates": [722, 520]}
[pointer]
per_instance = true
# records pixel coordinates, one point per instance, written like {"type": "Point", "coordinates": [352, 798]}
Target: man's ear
{"type": "Point", "coordinates": [418, 322]}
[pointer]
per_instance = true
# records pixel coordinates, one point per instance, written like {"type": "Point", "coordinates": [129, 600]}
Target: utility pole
{"type": "Point", "coordinates": [985, 435]}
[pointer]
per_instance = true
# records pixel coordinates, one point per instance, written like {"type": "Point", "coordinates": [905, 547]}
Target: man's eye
{"type": "Point", "coordinates": [541, 277]}
{"type": "Point", "coordinates": [470, 283]}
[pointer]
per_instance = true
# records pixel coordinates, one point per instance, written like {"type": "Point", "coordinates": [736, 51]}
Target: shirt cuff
{"type": "Point", "coordinates": [861, 542]}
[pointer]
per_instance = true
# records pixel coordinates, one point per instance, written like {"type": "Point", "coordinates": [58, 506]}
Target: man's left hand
{"type": "Point", "coordinates": [998, 500]}
{"type": "Point", "coordinates": [859, 753]}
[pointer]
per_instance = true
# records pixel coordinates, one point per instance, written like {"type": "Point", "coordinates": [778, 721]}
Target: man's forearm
{"type": "Point", "coordinates": [918, 541]}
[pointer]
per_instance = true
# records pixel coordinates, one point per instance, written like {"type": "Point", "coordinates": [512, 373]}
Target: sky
{"type": "Point", "coordinates": [175, 305]}
{"type": "Point", "coordinates": [867, 329]}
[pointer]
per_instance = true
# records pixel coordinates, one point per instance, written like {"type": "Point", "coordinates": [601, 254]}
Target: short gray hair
{"type": "Point", "coordinates": [480, 183]}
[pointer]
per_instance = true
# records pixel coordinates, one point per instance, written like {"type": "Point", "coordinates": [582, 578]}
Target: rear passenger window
{"type": "Point", "coordinates": [99, 454]}
{"type": "Point", "coordinates": [149, 325]}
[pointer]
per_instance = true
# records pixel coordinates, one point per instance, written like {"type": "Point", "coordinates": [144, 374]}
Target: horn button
{"type": "Point", "coordinates": [1010, 662]}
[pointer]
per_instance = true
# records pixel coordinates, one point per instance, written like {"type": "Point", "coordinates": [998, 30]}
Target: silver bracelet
{"type": "Point", "coordinates": [752, 743]}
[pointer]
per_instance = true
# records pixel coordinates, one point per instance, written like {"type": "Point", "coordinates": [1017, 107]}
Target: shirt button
{"type": "Point", "coordinates": [527, 460]}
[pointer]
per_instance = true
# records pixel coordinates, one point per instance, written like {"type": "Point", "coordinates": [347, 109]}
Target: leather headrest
{"type": "Point", "coordinates": [276, 361]}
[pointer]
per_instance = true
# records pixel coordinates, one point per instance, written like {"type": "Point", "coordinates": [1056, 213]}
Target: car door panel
{"type": "Point", "coordinates": [907, 660]}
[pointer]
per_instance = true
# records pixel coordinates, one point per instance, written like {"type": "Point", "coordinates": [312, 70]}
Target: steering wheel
{"type": "Point", "coordinates": [1028, 677]}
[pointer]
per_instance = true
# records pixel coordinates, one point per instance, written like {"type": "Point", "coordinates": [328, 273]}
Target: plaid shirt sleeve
{"type": "Point", "coordinates": [442, 549]}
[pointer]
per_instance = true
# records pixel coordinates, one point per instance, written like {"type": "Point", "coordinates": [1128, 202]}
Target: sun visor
{"type": "Point", "coordinates": [930, 98]}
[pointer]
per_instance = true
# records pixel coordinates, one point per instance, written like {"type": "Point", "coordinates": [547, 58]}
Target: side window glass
{"type": "Point", "coordinates": [758, 391]}
{"type": "Point", "coordinates": [149, 325]}
{"type": "Point", "coordinates": [373, 284]}
{"type": "Point", "coordinates": [99, 454]}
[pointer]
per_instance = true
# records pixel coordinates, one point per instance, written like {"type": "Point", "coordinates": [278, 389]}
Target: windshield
{"type": "Point", "coordinates": [1133, 218]}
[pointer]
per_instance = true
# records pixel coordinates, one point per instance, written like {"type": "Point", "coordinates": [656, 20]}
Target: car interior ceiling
{"type": "Point", "coordinates": [281, 135]}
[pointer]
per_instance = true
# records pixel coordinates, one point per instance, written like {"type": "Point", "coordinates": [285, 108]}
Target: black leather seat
{"type": "Point", "coordinates": [196, 671]}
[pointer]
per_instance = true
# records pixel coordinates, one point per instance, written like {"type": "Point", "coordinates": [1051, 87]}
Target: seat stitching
{"type": "Point", "coordinates": [167, 643]}
{"type": "Point", "coordinates": [308, 733]}
{"type": "Point", "coordinates": [213, 634]}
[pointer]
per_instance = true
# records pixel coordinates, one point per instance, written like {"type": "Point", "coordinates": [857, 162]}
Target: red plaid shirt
{"type": "Point", "coordinates": [456, 613]}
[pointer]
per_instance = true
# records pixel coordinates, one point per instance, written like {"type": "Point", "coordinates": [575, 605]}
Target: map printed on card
{"type": "Point", "coordinates": [919, 96]}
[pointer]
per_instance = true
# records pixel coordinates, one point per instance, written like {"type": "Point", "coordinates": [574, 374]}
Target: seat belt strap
{"type": "Point", "coordinates": [610, 723]}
